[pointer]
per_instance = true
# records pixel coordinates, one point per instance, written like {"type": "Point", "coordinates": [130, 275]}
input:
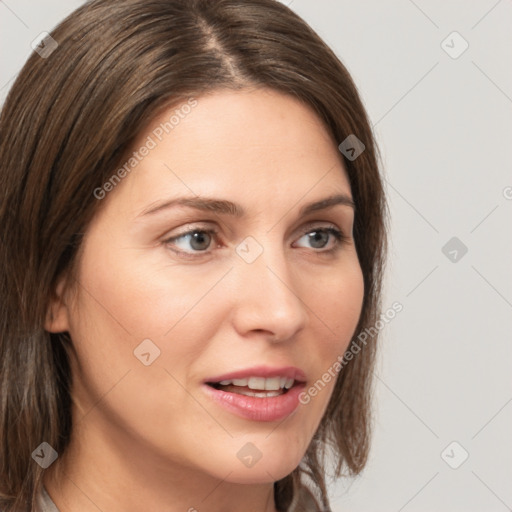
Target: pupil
{"type": "Point", "coordinates": [318, 236]}
{"type": "Point", "coordinates": [199, 238]}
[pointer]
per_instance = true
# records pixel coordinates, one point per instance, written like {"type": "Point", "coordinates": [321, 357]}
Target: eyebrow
{"type": "Point", "coordinates": [223, 206]}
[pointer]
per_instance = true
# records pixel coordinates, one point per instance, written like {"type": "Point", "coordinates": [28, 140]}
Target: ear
{"type": "Point", "coordinates": [57, 319]}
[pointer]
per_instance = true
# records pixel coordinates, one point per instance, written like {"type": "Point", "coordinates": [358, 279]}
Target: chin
{"type": "Point", "coordinates": [261, 461]}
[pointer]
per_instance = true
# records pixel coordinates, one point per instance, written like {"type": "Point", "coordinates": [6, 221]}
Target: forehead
{"type": "Point", "coordinates": [236, 142]}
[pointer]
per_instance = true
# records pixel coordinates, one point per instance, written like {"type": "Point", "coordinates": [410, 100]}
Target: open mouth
{"type": "Point", "coordinates": [259, 387]}
{"type": "Point", "coordinates": [258, 394]}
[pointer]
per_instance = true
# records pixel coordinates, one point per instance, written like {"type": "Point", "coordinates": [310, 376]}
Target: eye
{"type": "Point", "coordinates": [195, 240]}
{"type": "Point", "coordinates": [322, 237]}
{"type": "Point", "coordinates": [199, 241]}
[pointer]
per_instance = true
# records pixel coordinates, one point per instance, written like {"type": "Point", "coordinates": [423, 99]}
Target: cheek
{"type": "Point", "coordinates": [127, 319]}
{"type": "Point", "coordinates": [147, 293]}
{"type": "Point", "coordinates": [124, 303]}
{"type": "Point", "coordinates": [347, 306]}
{"type": "Point", "coordinates": [336, 301]}
{"type": "Point", "coordinates": [337, 306]}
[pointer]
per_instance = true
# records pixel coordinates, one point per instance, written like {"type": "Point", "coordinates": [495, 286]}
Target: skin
{"type": "Point", "coordinates": [148, 437]}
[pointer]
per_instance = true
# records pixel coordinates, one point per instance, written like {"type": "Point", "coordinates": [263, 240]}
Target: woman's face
{"type": "Point", "coordinates": [242, 283]}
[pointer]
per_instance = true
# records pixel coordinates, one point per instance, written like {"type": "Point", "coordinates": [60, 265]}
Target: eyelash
{"type": "Point", "coordinates": [338, 235]}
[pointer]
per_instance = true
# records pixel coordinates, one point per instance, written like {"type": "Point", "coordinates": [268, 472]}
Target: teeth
{"type": "Point", "coordinates": [256, 383]}
{"type": "Point", "coordinates": [289, 383]}
{"type": "Point", "coordinates": [273, 383]}
{"type": "Point", "coordinates": [261, 383]}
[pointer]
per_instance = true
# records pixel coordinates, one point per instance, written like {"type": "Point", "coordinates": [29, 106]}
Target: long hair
{"type": "Point", "coordinates": [67, 122]}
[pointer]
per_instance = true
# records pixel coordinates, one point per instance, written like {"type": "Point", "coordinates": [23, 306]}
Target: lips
{"type": "Point", "coordinates": [258, 393]}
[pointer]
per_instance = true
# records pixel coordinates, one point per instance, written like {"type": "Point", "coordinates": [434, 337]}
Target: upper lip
{"type": "Point", "coordinates": [290, 372]}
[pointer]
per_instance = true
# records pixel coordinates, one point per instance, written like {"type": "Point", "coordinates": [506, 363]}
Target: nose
{"type": "Point", "coordinates": [267, 297]}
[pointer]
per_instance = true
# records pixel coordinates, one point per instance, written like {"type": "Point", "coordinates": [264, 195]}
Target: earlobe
{"type": "Point", "coordinates": [57, 313]}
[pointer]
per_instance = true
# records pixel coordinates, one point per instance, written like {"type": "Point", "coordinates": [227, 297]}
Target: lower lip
{"type": "Point", "coordinates": [258, 409]}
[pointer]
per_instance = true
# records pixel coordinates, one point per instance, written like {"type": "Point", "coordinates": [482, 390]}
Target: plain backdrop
{"type": "Point", "coordinates": [435, 80]}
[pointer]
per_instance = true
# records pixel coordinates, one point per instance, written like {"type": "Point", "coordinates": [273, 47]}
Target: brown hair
{"type": "Point", "coordinates": [66, 124]}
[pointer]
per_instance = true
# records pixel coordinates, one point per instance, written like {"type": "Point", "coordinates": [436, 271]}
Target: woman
{"type": "Point", "coordinates": [193, 234]}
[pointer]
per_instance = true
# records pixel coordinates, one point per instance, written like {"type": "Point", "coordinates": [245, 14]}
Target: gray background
{"type": "Point", "coordinates": [444, 126]}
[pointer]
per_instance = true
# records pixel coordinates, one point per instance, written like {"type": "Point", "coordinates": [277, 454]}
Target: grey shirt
{"type": "Point", "coordinates": [45, 503]}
